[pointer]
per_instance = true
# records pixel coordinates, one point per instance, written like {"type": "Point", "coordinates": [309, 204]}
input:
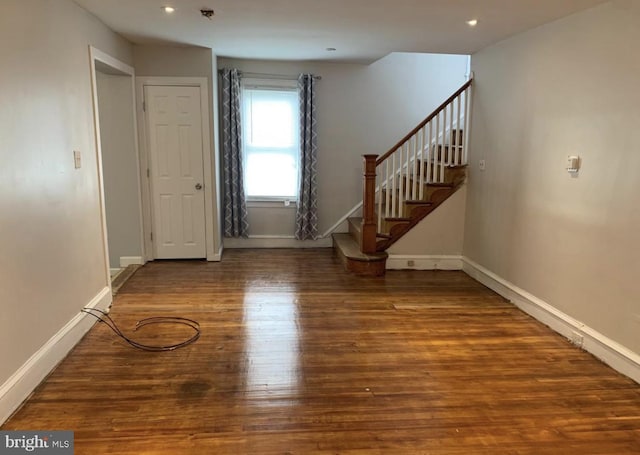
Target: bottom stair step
{"type": "Point", "coordinates": [355, 261]}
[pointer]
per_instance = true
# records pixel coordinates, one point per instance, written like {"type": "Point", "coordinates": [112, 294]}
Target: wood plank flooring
{"type": "Point", "coordinates": [297, 357]}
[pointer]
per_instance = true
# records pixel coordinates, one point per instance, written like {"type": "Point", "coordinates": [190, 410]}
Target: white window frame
{"type": "Point", "coordinates": [282, 85]}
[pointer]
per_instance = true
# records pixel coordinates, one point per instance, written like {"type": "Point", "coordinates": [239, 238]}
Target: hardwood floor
{"type": "Point", "coordinates": [297, 357]}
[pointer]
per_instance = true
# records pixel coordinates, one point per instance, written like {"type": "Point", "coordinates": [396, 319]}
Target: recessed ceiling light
{"type": "Point", "coordinates": [331, 49]}
{"type": "Point", "coordinates": [472, 22]}
{"type": "Point", "coordinates": [168, 9]}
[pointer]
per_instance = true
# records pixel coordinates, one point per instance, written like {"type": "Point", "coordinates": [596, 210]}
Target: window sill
{"type": "Point", "coordinates": [276, 204]}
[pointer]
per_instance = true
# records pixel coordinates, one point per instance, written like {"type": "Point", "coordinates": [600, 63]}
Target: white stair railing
{"type": "Point", "coordinates": [419, 159]}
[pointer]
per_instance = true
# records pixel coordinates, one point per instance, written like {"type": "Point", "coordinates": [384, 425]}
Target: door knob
{"type": "Point", "coordinates": [198, 186]}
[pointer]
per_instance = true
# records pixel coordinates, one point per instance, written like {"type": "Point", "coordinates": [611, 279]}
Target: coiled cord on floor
{"type": "Point", "coordinates": [103, 317]}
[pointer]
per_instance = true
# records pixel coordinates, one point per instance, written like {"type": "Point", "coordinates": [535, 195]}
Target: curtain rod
{"type": "Point", "coordinates": [286, 77]}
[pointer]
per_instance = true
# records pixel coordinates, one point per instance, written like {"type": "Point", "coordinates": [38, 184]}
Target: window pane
{"type": "Point", "coordinates": [271, 175]}
{"type": "Point", "coordinates": [272, 119]}
{"type": "Point", "coordinates": [270, 146]}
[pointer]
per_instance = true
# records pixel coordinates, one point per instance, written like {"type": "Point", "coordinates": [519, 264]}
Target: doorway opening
{"type": "Point", "coordinates": [118, 163]}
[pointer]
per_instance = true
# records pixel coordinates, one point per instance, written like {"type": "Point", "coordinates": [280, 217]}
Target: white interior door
{"type": "Point", "coordinates": [174, 121]}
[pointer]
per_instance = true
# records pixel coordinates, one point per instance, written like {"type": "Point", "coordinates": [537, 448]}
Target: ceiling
{"type": "Point", "coordinates": [360, 30]}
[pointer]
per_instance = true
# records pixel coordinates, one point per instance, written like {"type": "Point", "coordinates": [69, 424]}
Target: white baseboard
{"type": "Point", "coordinates": [22, 383]}
{"type": "Point", "coordinates": [423, 262]}
{"type": "Point", "coordinates": [266, 241]}
{"type": "Point", "coordinates": [610, 352]}
{"type": "Point", "coordinates": [126, 261]}
{"type": "Point", "coordinates": [217, 257]}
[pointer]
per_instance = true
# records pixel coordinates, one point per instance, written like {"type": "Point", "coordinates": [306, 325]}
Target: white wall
{"type": "Point", "coordinates": [441, 233]}
{"type": "Point", "coordinates": [569, 87]}
{"type": "Point", "coordinates": [361, 109]}
{"type": "Point", "coordinates": [53, 261]}
{"type": "Point", "coordinates": [120, 167]}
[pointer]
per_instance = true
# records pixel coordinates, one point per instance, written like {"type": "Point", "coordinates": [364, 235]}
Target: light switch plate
{"type": "Point", "coordinates": [77, 159]}
{"type": "Point", "coordinates": [573, 164]}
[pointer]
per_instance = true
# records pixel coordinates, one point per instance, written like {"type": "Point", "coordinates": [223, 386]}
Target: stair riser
{"type": "Point", "coordinates": [446, 153]}
{"type": "Point", "coordinates": [427, 194]}
{"type": "Point", "coordinates": [407, 209]}
{"type": "Point", "coordinates": [356, 232]}
{"type": "Point", "coordinates": [388, 226]}
{"type": "Point", "coordinates": [354, 261]}
{"type": "Point", "coordinates": [451, 174]}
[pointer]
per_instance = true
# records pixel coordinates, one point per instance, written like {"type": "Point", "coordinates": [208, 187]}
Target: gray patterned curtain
{"type": "Point", "coordinates": [307, 209]}
{"type": "Point", "coordinates": [235, 222]}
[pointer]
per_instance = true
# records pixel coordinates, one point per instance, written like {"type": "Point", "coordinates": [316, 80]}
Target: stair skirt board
{"type": "Point", "coordinates": [610, 352]}
{"type": "Point", "coordinates": [424, 262]}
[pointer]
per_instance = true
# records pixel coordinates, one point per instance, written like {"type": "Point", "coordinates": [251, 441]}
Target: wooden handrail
{"type": "Point", "coordinates": [424, 122]}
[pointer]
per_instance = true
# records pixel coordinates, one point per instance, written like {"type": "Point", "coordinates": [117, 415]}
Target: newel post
{"type": "Point", "coordinates": [369, 225]}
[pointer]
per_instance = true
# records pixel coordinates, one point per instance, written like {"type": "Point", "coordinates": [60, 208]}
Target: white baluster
{"type": "Point", "coordinates": [387, 192]}
{"type": "Point", "coordinates": [414, 187]}
{"type": "Point", "coordinates": [451, 157]}
{"type": "Point", "coordinates": [401, 184]}
{"type": "Point", "coordinates": [445, 149]}
{"type": "Point", "coordinates": [407, 171]}
{"type": "Point", "coordinates": [423, 144]}
{"type": "Point", "coordinates": [458, 129]}
{"type": "Point", "coordinates": [393, 185]}
{"type": "Point", "coordinates": [467, 115]}
{"type": "Point", "coordinates": [429, 158]}
{"type": "Point", "coordinates": [436, 150]}
{"type": "Point", "coordinates": [379, 182]}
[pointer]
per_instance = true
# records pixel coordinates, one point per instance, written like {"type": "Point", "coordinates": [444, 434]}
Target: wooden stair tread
{"type": "Point", "coordinates": [446, 166]}
{"type": "Point", "coordinates": [418, 202]}
{"type": "Point", "coordinates": [431, 184]}
{"type": "Point", "coordinates": [398, 219]}
{"type": "Point", "coordinates": [442, 185]}
{"type": "Point", "coordinates": [351, 250]}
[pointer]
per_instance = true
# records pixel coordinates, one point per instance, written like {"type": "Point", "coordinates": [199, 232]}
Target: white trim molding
{"type": "Point", "coordinates": [275, 241]}
{"type": "Point", "coordinates": [341, 224]}
{"type": "Point", "coordinates": [96, 57]}
{"type": "Point", "coordinates": [217, 257]}
{"type": "Point", "coordinates": [23, 382]}
{"type": "Point", "coordinates": [610, 352]}
{"type": "Point", "coordinates": [126, 261]}
{"type": "Point", "coordinates": [208, 156]}
{"type": "Point", "coordinates": [423, 262]}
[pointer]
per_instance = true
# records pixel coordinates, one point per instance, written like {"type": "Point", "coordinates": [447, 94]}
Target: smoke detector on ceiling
{"type": "Point", "coordinates": [206, 12]}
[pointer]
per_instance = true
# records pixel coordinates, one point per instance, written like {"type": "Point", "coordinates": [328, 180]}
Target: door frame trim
{"type": "Point", "coordinates": [207, 158]}
{"type": "Point", "coordinates": [98, 56]}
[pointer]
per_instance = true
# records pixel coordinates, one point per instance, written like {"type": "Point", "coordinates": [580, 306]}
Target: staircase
{"type": "Point", "coordinates": [407, 183]}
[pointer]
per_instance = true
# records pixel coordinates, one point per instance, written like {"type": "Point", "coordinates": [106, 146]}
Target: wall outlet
{"type": "Point", "coordinates": [482, 165]}
{"type": "Point", "coordinates": [576, 339]}
{"type": "Point", "coordinates": [411, 263]}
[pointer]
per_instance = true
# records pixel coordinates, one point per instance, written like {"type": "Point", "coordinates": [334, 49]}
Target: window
{"type": "Point", "coordinates": [270, 142]}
